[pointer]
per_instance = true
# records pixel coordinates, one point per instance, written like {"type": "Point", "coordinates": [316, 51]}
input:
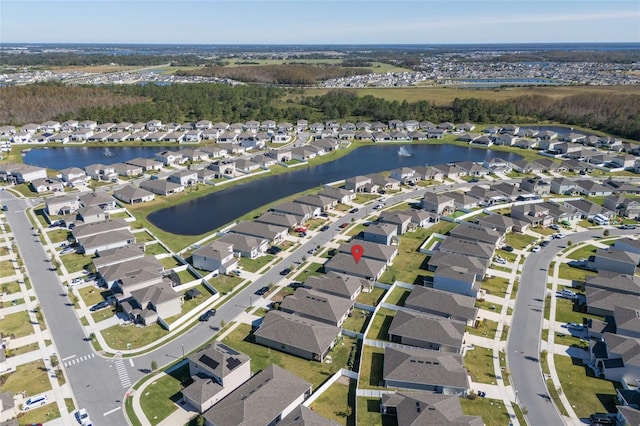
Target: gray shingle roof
{"type": "Point", "coordinates": [334, 283]}
{"type": "Point", "coordinates": [258, 401]}
{"type": "Point", "coordinates": [322, 307]}
{"type": "Point", "coordinates": [428, 328]}
{"type": "Point", "coordinates": [424, 367]}
{"type": "Point", "coordinates": [428, 409]}
{"type": "Point", "coordinates": [444, 303]}
{"type": "Point", "coordinates": [303, 416]}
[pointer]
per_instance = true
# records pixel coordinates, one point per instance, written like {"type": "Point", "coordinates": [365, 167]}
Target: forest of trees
{"type": "Point", "coordinates": [286, 74]}
{"type": "Point", "coordinates": [611, 113]}
{"type": "Point", "coordinates": [63, 59]}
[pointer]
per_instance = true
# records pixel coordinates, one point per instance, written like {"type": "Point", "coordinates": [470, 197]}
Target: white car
{"type": "Point", "coordinates": [83, 417]}
{"type": "Point", "coordinates": [536, 249]}
{"type": "Point", "coordinates": [76, 281]}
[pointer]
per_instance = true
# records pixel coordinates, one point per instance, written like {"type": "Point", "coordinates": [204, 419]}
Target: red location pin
{"type": "Point", "coordinates": [357, 251]}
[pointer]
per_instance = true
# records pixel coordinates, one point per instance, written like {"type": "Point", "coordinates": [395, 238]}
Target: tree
{"type": "Point", "coordinates": [154, 365]}
{"type": "Point", "coordinates": [606, 233]}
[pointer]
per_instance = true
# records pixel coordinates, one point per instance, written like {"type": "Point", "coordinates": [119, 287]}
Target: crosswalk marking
{"type": "Point", "coordinates": [122, 373]}
{"type": "Point", "coordinates": [79, 359]}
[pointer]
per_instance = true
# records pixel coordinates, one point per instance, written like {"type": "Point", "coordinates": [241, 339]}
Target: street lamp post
{"type": "Point", "coordinates": [182, 351]}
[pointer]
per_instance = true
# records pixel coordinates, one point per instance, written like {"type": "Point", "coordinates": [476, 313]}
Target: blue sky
{"type": "Point", "coordinates": [319, 21]}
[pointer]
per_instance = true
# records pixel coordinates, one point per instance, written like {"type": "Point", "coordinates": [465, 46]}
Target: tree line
{"type": "Point", "coordinates": [611, 113]}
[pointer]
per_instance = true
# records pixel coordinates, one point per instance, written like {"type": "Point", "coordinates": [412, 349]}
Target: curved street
{"type": "Point", "coordinates": [523, 345]}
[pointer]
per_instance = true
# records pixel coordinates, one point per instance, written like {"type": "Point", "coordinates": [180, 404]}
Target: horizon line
{"type": "Point", "coordinates": [322, 44]}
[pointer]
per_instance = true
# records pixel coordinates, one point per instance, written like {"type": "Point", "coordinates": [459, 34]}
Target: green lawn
{"type": "Point", "coordinates": [357, 321]}
{"type": "Point", "coordinates": [186, 276]}
{"type": "Point", "coordinates": [39, 415]}
{"type": "Point", "coordinates": [398, 296]}
{"type": "Point", "coordinates": [486, 328]}
{"type": "Point", "coordinates": [542, 230]}
{"type": "Point", "coordinates": [59, 235]}
{"type": "Point", "coordinates": [586, 393]}
{"type": "Point", "coordinates": [379, 329]}
{"type": "Point", "coordinates": [143, 237]}
{"type": "Point", "coordinates": [371, 298]}
{"type": "Point", "coordinates": [31, 378]}
{"type": "Point", "coordinates": [16, 325]}
{"type": "Point", "coordinates": [160, 397]}
{"type": "Point", "coordinates": [6, 268]}
{"type": "Point", "coordinates": [479, 363]}
{"type": "Point", "coordinates": [364, 198]}
{"type": "Point", "coordinates": [371, 368]}
{"type": "Point", "coordinates": [369, 413]}
{"type": "Point", "coordinates": [225, 283]}
{"type": "Point", "coordinates": [118, 336]}
{"type": "Point", "coordinates": [583, 252]}
{"type": "Point", "coordinates": [570, 273]}
{"type": "Point", "coordinates": [21, 350]}
{"type": "Point", "coordinates": [496, 286]}
{"type": "Point", "coordinates": [334, 403]}
{"type": "Point", "coordinates": [196, 301]}
{"type": "Point", "coordinates": [519, 241]}
{"type": "Point", "coordinates": [493, 412]}
{"type": "Point", "coordinates": [410, 266]}
{"type": "Point", "coordinates": [169, 262]}
{"type": "Point", "coordinates": [488, 306]}
{"type": "Point", "coordinates": [311, 371]}
{"type": "Point", "coordinates": [309, 270]}
{"type": "Point", "coordinates": [91, 295]}
{"type": "Point", "coordinates": [75, 262]}
{"type": "Point", "coordinates": [103, 314]}
{"type": "Point", "coordinates": [153, 249]}
{"type": "Point", "coordinates": [10, 287]}
{"type": "Point", "coordinates": [254, 265]}
{"type": "Point", "coordinates": [567, 311]}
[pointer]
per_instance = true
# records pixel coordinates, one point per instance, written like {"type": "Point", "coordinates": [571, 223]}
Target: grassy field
{"type": "Point", "coordinates": [311, 371]}
{"type": "Point", "coordinates": [583, 252]}
{"type": "Point", "coordinates": [39, 415]}
{"type": "Point", "coordinates": [519, 241]}
{"type": "Point", "coordinates": [369, 413]}
{"type": "Point", "coordinates": [75, 262]}
{"type": "Point", "coordinates": [225, 283]}
{"type": "Point", "coordinates": [309, 270]}
{"type": "Point", "coordinates": [567, 311]}
{"type": "Point", "coordinates": [357, 321]}
{"type": "Point", "coordinates": [160, 397]}
{"type": "Point", "coordinates": [586, 393]}
{"type": "Point", "coordinates": [91, 295]}
{"type": "Point", "coordinates": [154, 249]}
{"type": "Point", "coordinates": [398, 296]}
{"type": "Point", "coordinates": [570, 273]}
{"type": "Point", "coordinates": [446, 95]}
{"type": "Point", "coordinates": [31, 378]}
{"type": "Point", "coordinates": [479, 363]}
{"type": "Point", "coordinates": [6, 269]}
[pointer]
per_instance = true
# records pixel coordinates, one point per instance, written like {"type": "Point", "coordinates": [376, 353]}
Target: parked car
{"type": "Point", "coordinates": [544, 243]}
{"type": "Point", "coordinates": [575, 326]}
{"type": "Point", "coordinates": [536, 249]}
{"type": "Point", "coordinates": [236, 272]}
{"type": "Point", "coordinates": [501, 261]}
{"type": "Point", "coordinates": [262, 291]}
{"type": "Point", "coordinates": [554, 227]}
{"type": "Point", "coordinates": [507, 248]}
{"type": "Point", "coordinates": [34, 401]}
{"type": "Point", "coordinates": [285, 271]}
{"type": "Point", "coordinates": [68, 250]}
{"type": "Point", "coordinates": [325, 228]}
{"type": "Point", "coordinates": [83, 417]}
{"type": "Point", "coordinates": [324, 214]}
{"type": "Point", "coordinates": [344, 225]}
{"type": "Point", "coordinates": [354, 210]}
{"type": "Point", "coordinates": [207, 315]}
{"type": "Point", "coordinates": [76, 281]}
{"type": "Point", "coordinates": [99, 305]}
{"type": "Point", "coordinates": [312, 251]}
{"type": "Point", "coordinates": [628, 226]}
{"type": "Point", "coordinates": [602, 419]}
{"type": "Point", "coordinates": [295, 284]}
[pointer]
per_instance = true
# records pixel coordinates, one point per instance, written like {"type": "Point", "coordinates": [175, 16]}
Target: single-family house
{"type": "Point", "coordinates": [425, 408]}
{"type": "Point", "coordinates": [427, 331]}
{"type": "Point", "coordinates": [61, 204]}
{"type": "Point", "coordinates": [375, 251]}
{"type": "Point", "coordinates": [317, 306]}
{"type": "Point", "coordinates": [216, 256]}
{"type": "Point", "coordinates": [147, 164]}
{"type": "Point", "coordinates": [296, 335]}
{"type": "Point", "coordinates": [274, 234]}
{"type": "Point", "coordinates": [366, 268]}
{"type": "Point", "coordinates": [381, 233]}
{"type": "Point", "coordinates": [278, 219]}
{"type": "Point", "coordinates": [184, 177]}
{"type": "Point", "coordinates": [442, 303]}
{"type": "Point", "coordinates": [341, 195]}
{"type": "Point", "coordinates": [301, 211]}
{"type": "Point", "coordinates": [420, 369]}
{"type": "Point", "coordinates": [161, 187]}
{"type": "Point", "coordinates": [47, 185]}
{"type": "Point", "coordinates": [341, 285]}
{"type": "Point", "coordinates": [160, 298]}
{"type": "Point", "coordinates": [613, 260]}
{"type": "Point", "coordinates": [246, 246]}
{"type": "Point", "coordinates": [133, 195]}
{"type": "Point", "coordinates": [216, 370]}
{"type": "Point", "coordinates": [441, 204]}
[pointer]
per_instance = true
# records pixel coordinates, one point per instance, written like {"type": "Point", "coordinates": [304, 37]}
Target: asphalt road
{"type": "Point", "coordinates": [95, 383]}
{"type": "Point", "coordinates": [523, 345]}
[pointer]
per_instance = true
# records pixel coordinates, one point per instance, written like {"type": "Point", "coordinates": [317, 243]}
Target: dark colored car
{"type": "Point", "coordinates": [207, 315]}
{"type": "Point", "coordinates": [296, 284]}
{"type": "Point", "coordinates": [507, 248]}
{"type": "Point", "coordinates": [344, 225]}
{"type": "Point", "coordinates": [262, 291]}
{"type": "Point", "coordinates": [544, 243]}
{"type": "Point", "coordinates": [98, 306]}
{"type": "Point", "coordinates": [325, 228]}
{"type": "Point", "coordinates": [354, 210]}
{"type": "Point", "coordinates": [285, 271]}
